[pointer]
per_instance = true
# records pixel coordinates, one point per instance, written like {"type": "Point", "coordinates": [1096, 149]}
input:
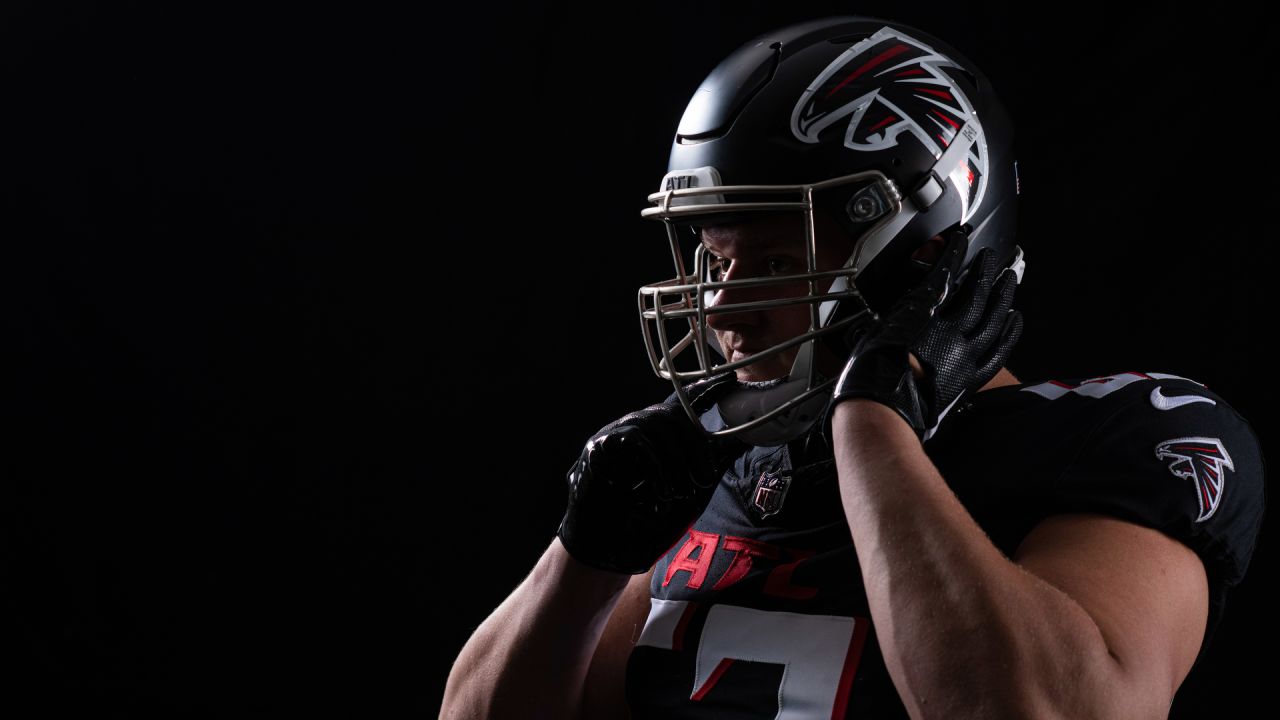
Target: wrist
{"type": "Point", "coordinates": [860, 411]}
{"type": "Point", "coordinates": [579, 574]}
{"type": "Point", "coordinates": [862, 415]}
{"type": "Point", "coordinates": [871, 426]}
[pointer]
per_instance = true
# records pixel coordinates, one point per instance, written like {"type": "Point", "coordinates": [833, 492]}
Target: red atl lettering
{"type": "Point", "coordinates": [743, 550]}
{"type": "Point", "coordinates": [697, 552]}
{"type": "Point", "coordinates": [697, 567]}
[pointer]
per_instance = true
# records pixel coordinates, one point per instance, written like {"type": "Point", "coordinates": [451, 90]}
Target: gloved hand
{"type": "Point", "coordinates": [962, 336]}
{"type": "Point", "coordinates": [642, 480]}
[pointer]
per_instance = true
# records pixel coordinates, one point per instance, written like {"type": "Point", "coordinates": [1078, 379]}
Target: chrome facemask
{"type": "Point", "coordinates": [774, 411]}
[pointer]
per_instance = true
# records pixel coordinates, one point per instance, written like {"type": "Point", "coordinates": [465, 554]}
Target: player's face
{"type": "Point", "coordinates": [769, 246]}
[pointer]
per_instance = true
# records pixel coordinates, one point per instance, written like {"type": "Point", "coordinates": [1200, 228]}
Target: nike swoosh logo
{"type": "Point", "coordinates": [1163, 402]}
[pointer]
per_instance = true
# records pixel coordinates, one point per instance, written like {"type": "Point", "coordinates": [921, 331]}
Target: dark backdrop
{"type": "Point", "coordinates": [308, 309]}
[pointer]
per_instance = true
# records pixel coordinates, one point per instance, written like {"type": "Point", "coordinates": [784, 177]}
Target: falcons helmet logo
{"type": "Point", "coordinates": [1201, 460]}
{"type": "Point", "coordinates": [892, 84]}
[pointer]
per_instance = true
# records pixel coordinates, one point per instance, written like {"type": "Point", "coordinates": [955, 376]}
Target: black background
{"type": "Point", "coordinates": [310, 307]}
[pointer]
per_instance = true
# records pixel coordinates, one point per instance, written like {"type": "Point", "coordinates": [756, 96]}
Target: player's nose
{"type": "Point", "coordinates": [727, 297]}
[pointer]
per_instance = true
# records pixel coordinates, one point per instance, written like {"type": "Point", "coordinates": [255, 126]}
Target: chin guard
{"type": "Point", "coordinates": [751, 400]}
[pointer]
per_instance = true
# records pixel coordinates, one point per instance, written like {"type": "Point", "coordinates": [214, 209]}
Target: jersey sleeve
{"type": "Point", "coordinates": [1194, 471]}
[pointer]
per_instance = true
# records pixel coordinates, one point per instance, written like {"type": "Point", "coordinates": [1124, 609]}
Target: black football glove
{"type": "Point", "coordinates": [962, 336]}
{"type": "Point", "coordinates": [642, 480]}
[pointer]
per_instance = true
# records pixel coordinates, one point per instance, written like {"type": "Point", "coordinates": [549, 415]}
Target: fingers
{"type": "Point", "coordinates": [623, 459]}
{"type": "Point", "coordinates": [708, 391]}
{"type": "Point", "coordinates": [934, 289]}
{"type": "Point", "coordinates": [909, 316]}
{"type": "Point", "coordinates": [1005, 287]}
{"type": "Point", "coordinates": [916, 370]}
{"type": "Point", "coordinates": [968, 307]}
{"type": "Point", "coordinates": [949, 264]}
{"type": "Point", "coordinates": [1011, 332]}
{"type": "Point", "coordinates": [991, 325]}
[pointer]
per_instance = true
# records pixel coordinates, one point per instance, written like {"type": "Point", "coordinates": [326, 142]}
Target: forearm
{"type": "Point", "coordinates": [530, 657]}
{"type": "Point", "coordinates": [964, 631]}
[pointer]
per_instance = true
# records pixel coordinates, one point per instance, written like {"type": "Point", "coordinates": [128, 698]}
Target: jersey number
{"type": "Point", "coordinates": [819, 653]}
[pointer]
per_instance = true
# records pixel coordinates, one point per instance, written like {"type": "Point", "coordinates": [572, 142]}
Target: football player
{"type": "Point", "coordinates": [848, 506]}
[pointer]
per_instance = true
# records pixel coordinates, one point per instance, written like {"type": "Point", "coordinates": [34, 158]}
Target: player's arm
{"type": "Point", "coordinates": [1103, 618]}
{"type": "Point", "coordinates": [526, 649]}
{"type": "Point", "coordinates": [1146, 596]}
{"type": "Point", "coordinates": [1100, 617]}
{"type": "Point", "coordinates": [532, 654]}
{"type": "Point", "coordinates": [604, 694]}
{"type": "Point", "coordinates": [640, 482]}
{"type": "Point", "coordinates": [1103, 611]}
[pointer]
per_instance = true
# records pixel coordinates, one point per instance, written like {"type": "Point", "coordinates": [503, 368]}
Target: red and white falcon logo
{"type": "Point", "coordinates": [891, 84]}
{"type": "Point", "coordinates": [1201, 460]}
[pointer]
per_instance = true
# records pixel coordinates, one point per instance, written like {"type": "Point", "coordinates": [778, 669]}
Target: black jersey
{"type": "Point", "coordinates": [759, 610]}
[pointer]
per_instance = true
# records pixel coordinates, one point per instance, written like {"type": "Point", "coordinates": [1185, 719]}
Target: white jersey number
{"type": "Point", "coordinates": [819, 652]}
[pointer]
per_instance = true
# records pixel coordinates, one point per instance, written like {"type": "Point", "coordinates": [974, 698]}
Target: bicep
{"type": "Point", "coordinates": [604, 692]}
{"type": "Point", "coordinates": [1147, 592]}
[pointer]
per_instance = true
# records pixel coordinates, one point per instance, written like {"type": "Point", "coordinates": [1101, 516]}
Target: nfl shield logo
{"type": "Point", "coordinates": [771, 490]}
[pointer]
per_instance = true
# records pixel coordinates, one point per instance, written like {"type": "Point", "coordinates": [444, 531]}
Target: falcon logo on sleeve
{"type": "Point", "coordinates": [1201, 460]}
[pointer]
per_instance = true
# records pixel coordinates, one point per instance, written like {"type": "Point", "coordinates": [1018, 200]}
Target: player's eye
{"type": "Point", "coordinates": [776, 265]}
{"type": "Point", "coordinates": [717, 266]}
{"type": "Point", "coordinates": [779, 265]}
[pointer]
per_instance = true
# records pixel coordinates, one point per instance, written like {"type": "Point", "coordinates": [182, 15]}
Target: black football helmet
{"type": "Point", "coordinates": [886, 129]}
